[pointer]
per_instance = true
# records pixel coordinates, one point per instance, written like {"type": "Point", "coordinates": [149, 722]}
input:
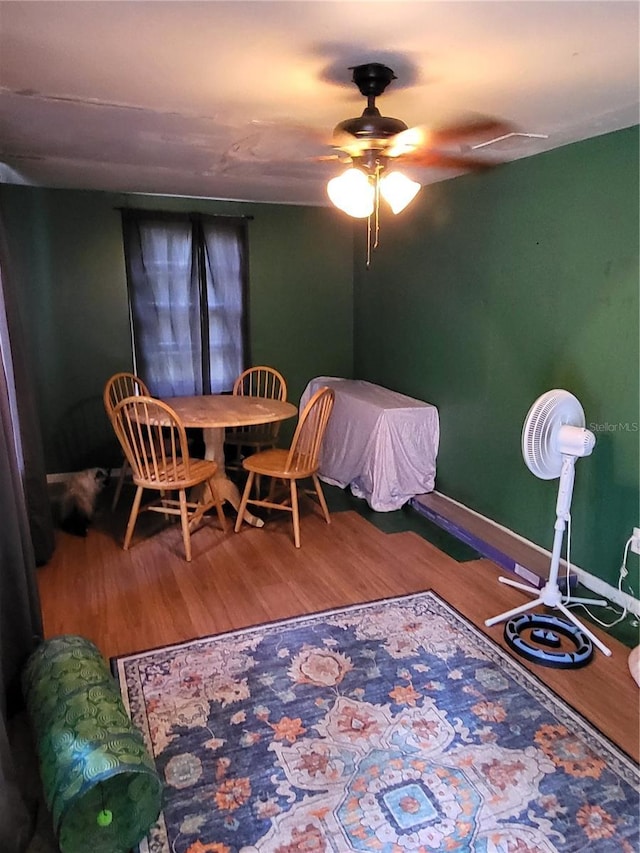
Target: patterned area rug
{"type": "Point", "coordinates": [389, 727]}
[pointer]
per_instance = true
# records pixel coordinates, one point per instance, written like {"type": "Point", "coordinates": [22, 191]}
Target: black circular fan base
{"type": "Point", "coordinates": [372, 78]}
{"type": "Point", "coordinates": [546, 646]}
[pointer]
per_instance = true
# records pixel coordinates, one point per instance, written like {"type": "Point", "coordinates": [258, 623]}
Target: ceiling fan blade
{"type": "Point", "coordinates": [480, 128]}
{"type": "Point", "coordinates": [353, 145]}
{"type": "Point", "coordinates": [477, 129]}
{"type": "Point", "coordinates": [324, 158]}
{"type": "Point", "coordinates": [443, 160]}
{"type": "Point", "coordinates": [408, 141]}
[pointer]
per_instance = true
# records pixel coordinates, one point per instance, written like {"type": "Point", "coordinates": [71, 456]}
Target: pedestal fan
{"type": "Point", "coordinates": [553, 437]}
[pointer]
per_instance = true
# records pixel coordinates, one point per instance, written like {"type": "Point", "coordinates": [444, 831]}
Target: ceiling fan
{"type": "Point", "coordinates": [373, 143]}
{"type": "Point", "coordinates": [374, 135]}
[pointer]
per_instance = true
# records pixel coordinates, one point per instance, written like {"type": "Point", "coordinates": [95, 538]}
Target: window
{"type": "Point", "coordinates": [187, 280]}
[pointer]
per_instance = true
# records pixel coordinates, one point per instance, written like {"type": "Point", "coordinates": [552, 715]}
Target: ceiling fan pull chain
{"type": "Point", "coordinates": [377, 205]}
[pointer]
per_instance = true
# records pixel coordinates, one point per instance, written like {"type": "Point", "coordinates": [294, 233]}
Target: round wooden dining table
{"type": "Point", "coordinates": [213, 413]}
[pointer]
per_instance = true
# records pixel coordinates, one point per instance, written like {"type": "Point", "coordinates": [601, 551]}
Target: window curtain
{"type": "Point", "coordinates": [22, 486]}
{"type": "Point", "coordinates": [187, 288]}
{"type": "Point", "coordinates": [225, 280]}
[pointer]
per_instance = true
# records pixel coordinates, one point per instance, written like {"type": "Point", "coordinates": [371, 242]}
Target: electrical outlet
{"type": "Point", "coordinates": [635, 541]}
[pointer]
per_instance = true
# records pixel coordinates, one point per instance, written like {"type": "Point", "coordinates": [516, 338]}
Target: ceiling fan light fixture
{"type": "Point", "coordinates": [353, 193]}
{"type": "Point", "coordinates": [398, 190]}
{"type": "Point", "coordinates": [373, 142]}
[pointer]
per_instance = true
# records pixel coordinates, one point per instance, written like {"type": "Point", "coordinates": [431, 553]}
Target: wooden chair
{"type": "Point", "coordinates": [256, 382]}
{"type": "Point", "coordinates": [119, 387]}
{"type": "Point", "coordinates": [154, 441]}
{"type": "Point", "coordinates": [299, 462]}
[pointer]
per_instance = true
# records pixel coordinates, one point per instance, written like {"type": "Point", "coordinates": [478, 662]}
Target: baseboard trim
{"type": "Point", "coordinates": [63, 476]}
{"type": "Point", "coordinates": [497, 555]}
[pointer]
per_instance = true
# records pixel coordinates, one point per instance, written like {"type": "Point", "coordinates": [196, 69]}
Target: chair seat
{"type": "Point", "coordinates": [199, 470]}
{"type": "Point", "coordinates": [273, 463]}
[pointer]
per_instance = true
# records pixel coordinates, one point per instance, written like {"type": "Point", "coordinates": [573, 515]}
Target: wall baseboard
{"type": "Point", "coordinates": [63, 476]}
{"type": "Point", "coordinates": [483, 533]}
{"type": "Point", "coordinates": [53, 479]}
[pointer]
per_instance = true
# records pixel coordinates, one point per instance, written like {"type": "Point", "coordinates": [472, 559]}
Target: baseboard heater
{"type": "Point", "coordinates": [486, 549]}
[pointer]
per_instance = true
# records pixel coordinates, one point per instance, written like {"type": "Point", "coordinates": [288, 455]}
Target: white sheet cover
{"type": "Point", "coordinates": [380, 443]}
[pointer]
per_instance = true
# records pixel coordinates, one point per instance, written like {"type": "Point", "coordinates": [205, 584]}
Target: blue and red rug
{"type": "Point", "coordinates": [389, 727]}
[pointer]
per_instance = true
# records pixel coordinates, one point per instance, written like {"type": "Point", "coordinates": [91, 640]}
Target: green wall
{"type": "Point", "coordinates": [488, 291]}
{"type": "Point", "coordinates": [492, 289]}
{"type": "Point", "coordinates": [67, 259]}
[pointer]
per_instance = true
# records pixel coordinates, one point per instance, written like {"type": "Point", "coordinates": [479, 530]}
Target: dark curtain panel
{"type": "Point", "coordinates": [163, 294]}
{"type": "Point", "coordinates": [186, 276]}
{"type": "Point", "coordinates": [225, 278]}
{"type": "Point", "coordinates": [20, 620]}
{"type": "Point", "coordinates": [25, 416]}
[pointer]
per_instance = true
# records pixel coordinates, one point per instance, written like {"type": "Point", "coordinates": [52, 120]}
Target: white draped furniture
{"type": "Point", "coordinates": [381, 443]}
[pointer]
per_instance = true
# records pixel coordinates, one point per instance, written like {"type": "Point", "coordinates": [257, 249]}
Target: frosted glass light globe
{"type": "Point", "coordinates": [352, 192]}
{"type": "Point", "coordinates": [398, 190]}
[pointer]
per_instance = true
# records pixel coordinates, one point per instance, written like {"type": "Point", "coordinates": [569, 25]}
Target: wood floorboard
{"type": "Point", "coordinates": [150, 596]}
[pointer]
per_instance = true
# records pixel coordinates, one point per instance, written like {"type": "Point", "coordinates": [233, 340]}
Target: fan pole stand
{"type": "Point", "coordinates": [550, 595]}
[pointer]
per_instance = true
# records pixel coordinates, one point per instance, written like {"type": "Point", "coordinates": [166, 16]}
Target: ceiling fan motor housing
{"type": "Point", "coordinates": [371, 125]}
{"type": "Point", "coordinates": [371, 79]}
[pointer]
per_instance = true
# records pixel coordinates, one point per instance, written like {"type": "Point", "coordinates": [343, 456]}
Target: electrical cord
{"type": "Point", "coordinates": [622, 575]}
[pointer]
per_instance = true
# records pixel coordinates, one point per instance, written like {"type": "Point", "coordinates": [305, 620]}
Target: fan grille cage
{"type": "Point", "coordinates": [546, 415]}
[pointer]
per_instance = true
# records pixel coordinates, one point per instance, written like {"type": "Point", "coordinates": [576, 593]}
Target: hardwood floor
{"type": "Point", "coordinates": [149, 596]}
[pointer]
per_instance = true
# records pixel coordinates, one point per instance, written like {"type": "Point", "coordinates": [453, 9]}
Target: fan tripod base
{"type": "Point", "coordinates": [550, 596]}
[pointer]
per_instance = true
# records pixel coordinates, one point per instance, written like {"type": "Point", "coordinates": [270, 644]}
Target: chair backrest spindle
{"type": "Point", "coordinates": [261, 381]}
{"type": "Point", "coordinates": [153, 439]}
{"type": "Point", "coordinates": [120, 386]}
{"type": "Point", "coordinates": [305, 446]}
{"type": "Point", "coordinates": [266, 382]}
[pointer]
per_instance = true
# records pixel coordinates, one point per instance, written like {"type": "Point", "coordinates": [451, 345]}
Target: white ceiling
{"type": "Point", "coordinates": [234, 99]}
